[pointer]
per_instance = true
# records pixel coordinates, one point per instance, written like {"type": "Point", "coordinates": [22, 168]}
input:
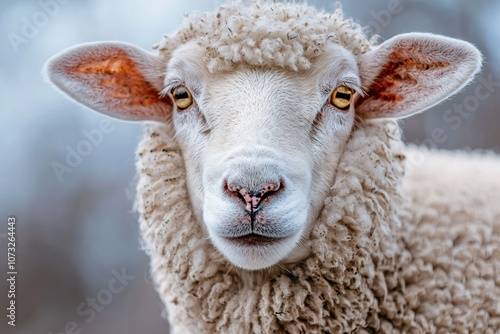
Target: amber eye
{"type": "Point", "coordinates": [341, 97]}
{"type": "Point", "coordinates": [182, 97]}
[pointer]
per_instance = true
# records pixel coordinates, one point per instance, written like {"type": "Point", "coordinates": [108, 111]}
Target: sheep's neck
{"type": "Point", "coordinates": [352, 242]}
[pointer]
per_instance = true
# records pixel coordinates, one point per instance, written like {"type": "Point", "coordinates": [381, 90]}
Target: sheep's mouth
{"type": "Point", "coordinates": [253, 239]}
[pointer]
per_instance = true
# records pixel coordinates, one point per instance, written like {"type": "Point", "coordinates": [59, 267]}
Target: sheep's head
{"type": "Point", "coordinates": [261, 143]}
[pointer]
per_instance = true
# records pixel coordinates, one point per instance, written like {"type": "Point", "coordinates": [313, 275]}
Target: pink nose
{"type": "Point", "coordinates": [252, 199]}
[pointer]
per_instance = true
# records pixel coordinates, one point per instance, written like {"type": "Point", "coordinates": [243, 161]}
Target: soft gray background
{"type": "Point", "coordinates": [73, 233]}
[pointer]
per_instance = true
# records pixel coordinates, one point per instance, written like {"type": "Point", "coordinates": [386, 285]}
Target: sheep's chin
{"type": "Point", "coordinates": [256, 256]}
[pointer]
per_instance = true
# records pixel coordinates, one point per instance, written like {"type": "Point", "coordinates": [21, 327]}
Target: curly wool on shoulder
{"type": "Point", "coordinates": [274, 192]}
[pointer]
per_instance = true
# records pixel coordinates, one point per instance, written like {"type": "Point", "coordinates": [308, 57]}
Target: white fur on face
{"type": "Point", "coordinates": [254, 127]}
{"type": "Point", "coordinates": [261, 143]}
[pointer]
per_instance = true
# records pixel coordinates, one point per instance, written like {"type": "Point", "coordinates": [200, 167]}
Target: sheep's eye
{"type": "Point", "coordinates": [182, 97]}
{"type": "Point", "coordinates": [341, 97]}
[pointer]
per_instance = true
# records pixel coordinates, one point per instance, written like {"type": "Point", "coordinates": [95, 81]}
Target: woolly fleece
{"type": "Point", "coordinates": [389, 253]}
{"type": "Point", "coordinates": [284, 35]}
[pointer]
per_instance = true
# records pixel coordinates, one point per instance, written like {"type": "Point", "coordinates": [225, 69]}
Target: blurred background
{"type": "Point", "coordinates": [80, 269]}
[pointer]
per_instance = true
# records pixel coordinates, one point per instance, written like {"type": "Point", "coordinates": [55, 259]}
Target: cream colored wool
{"type": "Point", "coordinates": [282, 35]}
{"type": "Point", "coordinates": [389, 253]}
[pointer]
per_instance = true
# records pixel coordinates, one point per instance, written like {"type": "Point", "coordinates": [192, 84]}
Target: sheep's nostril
{"type": "Point", "coordinates": [270, 189]}
{"type": "Point", "coordinates": [252, 198]}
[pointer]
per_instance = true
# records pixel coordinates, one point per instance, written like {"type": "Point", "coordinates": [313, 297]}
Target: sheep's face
{"type": "Point", "coordinates": [260, 147]}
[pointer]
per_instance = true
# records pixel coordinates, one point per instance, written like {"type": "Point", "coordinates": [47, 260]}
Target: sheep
{"type": "Point", "coordinates": [274, 192]}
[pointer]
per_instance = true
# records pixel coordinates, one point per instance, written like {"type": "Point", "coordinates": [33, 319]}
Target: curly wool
{"type": "Point", "coordinates": [281, 35]}
{"type": "Point", "coordinates": [381, 260]}
{"type": "Point", "coordinates": [337, 288]}
{"type": "Point", "coordinates": [389, 253]}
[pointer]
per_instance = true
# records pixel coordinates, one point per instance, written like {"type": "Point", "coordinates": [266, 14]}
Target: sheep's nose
{"type": "Point", "coordinates": [253, 198]}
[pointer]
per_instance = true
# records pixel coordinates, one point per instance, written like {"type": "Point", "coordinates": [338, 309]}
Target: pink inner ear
{"type": "Point", "coordinates": [413, 72]}
{"type": "Point", "coordinates": [397, 72]}
{"type": "Point", "coordinates": [118, 78]}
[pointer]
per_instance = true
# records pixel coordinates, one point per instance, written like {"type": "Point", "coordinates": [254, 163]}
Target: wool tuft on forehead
{"type": "Point", "coordinates": [267, 34]}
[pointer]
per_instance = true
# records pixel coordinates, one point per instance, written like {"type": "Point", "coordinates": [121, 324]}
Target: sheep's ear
{"type": "Point", "coordinates": [412, 72]}
{"type": "Point", "coordinates": [116, 79]}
